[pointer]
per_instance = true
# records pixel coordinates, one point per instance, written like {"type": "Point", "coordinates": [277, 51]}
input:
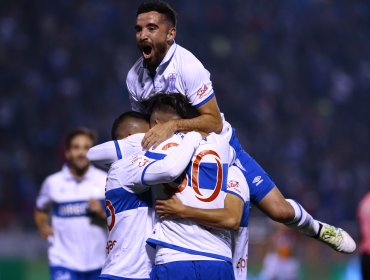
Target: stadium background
{"type": "Point", "coordinates": [292, 76]}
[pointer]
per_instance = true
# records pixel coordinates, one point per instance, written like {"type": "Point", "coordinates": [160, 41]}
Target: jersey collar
{"type": "Point", "coordinates": [69, 176]}
{"type": "Point", "coordinates": [167, 58]}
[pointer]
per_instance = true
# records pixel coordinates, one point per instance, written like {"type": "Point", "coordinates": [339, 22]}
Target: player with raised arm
{"type": "Point", "coordinates": [128, 200]}
{"type": "Point", "coordinates": [167, 67]}
{"type": "Point", "coordinates": [73, 199]}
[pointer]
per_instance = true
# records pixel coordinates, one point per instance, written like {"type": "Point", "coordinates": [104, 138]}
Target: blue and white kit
{"type": "Point", "coordinates": [77, 243]}
{"type": "Point", "coordinates": [181, 72]}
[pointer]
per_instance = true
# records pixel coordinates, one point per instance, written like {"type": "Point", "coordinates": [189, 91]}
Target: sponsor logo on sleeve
{"type": "Point", "coordinates": [202, 91]}
{"type": "Point", "coordinates": [233, 185]}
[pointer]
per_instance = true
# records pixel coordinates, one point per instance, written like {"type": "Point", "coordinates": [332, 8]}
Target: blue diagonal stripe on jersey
{"type": "Point", "coordinates": [123, 200]}
{"type": "Point", "coordinates": [153, 155]}
{"type": "Point", "coordinates": [118, 150]}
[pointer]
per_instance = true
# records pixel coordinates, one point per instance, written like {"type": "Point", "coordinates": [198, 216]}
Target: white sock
{"type": "Point", "coordinates": [303, 221]}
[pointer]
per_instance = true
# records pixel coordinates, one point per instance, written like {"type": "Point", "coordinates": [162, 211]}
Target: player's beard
{"type": "Point", "coordinates": [158, 53]}
{"type": "Point", "coordinates": [79, 166]}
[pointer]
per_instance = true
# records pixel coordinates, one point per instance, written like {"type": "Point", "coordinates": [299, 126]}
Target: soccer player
{"type": "Point", "coordinates": [228, 217]}
{"type": "Point", "coordinates": [167, 67]}
{"type": "Point", "coordinates": [128, 199]}
{"type": "Point", "coordinates": [185, 246]}
{"type": "Point", "coordinates": [234, 216]}
{"type": "Point", "coordinates": [235, 213]}
{"type": "Point", "coordinates": [72, 198]}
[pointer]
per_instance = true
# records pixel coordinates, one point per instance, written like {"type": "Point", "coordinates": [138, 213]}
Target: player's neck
{"type": "Point", "coordinates": [78, 173]}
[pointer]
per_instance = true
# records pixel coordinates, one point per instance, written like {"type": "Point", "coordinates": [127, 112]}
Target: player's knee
{"type": "Point", "coordinates": [282, 213]}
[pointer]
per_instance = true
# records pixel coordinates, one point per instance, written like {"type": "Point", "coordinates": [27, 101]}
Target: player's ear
{"type": "Point", "coordinates": [171, 34]}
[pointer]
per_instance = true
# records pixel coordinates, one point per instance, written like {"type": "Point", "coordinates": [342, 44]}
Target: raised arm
{"type": "Point", "coordinates": [228, 217]}
{"type": "Point", "coordinates": [169, 168]}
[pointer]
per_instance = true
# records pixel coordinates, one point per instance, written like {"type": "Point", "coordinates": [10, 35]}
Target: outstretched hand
{"type": "Point", "coordinates": [168, 208]}
{"type": "Point", "coordinates": [157, 134]}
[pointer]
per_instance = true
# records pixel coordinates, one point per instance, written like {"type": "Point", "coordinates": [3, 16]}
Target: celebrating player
{"type": "Point", "coordinates": [73, 199]}
{"type": "Point", "coordinates": [167, 67]}
{"type": "Point", "coordinates": [233, 216]}
{"type": "Point", "coordinates": [128, 199]}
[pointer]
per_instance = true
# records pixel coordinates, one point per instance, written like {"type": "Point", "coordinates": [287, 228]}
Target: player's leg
{"type": "Point", "coordinates": [269, 199]}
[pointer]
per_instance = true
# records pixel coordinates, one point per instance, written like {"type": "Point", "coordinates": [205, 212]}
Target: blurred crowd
{"type": "Point", "coordinates": [292, 76]}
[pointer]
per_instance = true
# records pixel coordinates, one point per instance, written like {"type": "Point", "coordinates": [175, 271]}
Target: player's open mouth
{"type": "Point", "coordinates": [147, 51]}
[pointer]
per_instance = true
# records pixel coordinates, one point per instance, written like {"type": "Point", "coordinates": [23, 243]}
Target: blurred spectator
{"type": "Point", "coordinates": [280, 262]}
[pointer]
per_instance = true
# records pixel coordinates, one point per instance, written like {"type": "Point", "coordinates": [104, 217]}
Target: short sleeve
{"type": "Point", "coordinates": [128, 173]}
{"type": "Point", "coordinates": [237, 184]}
{"type": "Point", "coordinates": [44, 201]}
{"type": "Point", "coordinates": [197, 84]}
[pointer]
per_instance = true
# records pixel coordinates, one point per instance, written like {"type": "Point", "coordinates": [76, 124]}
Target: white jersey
{"type": "Point", "coordinates": [129, 202]}
{"type": "Point", "coordinates": [77, 243]}
{"type": "Point", "coordinates": [237, 185]}
{"type": "Point", "coordinates": [179, 72]}
{"type": "Point", "coordinates": [203, 186]}
{"type": "Point", "coordinates": [130, 220]}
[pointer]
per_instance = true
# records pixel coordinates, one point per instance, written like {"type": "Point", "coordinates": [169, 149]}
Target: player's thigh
{"type": "Point", "coordinates": [62, 273]}
{"type": "Point", "coordinates": [179, 270]}
{"type": "Point", "coordinates": [215, 270]}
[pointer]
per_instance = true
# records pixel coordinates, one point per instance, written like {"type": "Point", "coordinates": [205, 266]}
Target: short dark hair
{"type": "Point", "coordinates": [123, 117]}
{"type": "Point", "coordinates": [176, 101]}
{"type": "Point", "coordinates": [160, 7]}
{"type": "Point", "coordinates": [80, 131]}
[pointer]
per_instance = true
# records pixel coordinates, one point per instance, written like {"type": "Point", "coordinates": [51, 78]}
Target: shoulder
{"type": "Point", "coordinates": [187, 59]}
{"type": "Point", "coordinates": [54, 178]}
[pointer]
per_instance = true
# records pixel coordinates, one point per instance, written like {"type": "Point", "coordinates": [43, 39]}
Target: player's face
{"type": "Point", "coordinates": [76, 154]}
{"type": "Point", "coordinates": [154, 36]}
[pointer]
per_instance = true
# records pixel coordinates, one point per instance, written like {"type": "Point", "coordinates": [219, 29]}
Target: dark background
{"type": "Point", "coordinates": [292, 76]}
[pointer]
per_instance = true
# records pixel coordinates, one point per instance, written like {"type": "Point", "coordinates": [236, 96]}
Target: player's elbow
{"type": "Point", "coordinates": [232, 223]}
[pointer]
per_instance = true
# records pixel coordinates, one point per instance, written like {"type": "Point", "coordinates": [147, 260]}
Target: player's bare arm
{"type": "Point", "coordinates": [209, 121]}
{"type": "Point", "coordinates": [228, 217]}
{"type": "Point", "coordinates": [42, 223]}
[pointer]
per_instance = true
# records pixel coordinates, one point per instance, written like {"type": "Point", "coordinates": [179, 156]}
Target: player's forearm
{"type": "Point", "coordinates": [41, 218]}
{"type": "Point", "coordinates": [221, 217]}
{"type": "Point", "coordinates": [206, 123]}
{"type": "Point", "coordinates": [172, 166]}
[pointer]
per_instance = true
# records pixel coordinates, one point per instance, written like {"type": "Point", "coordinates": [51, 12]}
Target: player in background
{"type": "Point", "coordinates": [73, 199]}
{"type": "Point", "coordinates": [167, 67]}
{"type": "Point", "coordinates": [128, 200]}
